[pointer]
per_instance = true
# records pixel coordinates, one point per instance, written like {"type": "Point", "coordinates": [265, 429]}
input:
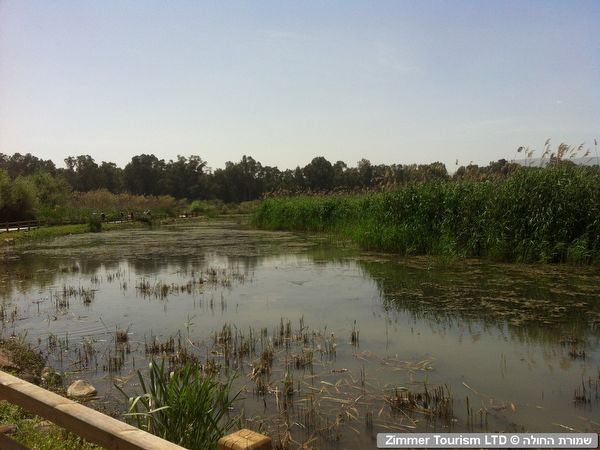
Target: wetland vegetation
{"type": "Point", "coordinates": [319, 221]}
{"type": "Point", "coordinates": [326, 344]}
{"type": "Point", "coordinates": [544, 215]}
{"type": "Point", "coordinates": [31, 187]}
{"type": "Point", "coordinates": [316, 338]}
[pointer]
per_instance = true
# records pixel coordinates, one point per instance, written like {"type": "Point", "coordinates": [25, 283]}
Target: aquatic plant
{"type": "Point", "coordinates": [121, 335]}
{"type": "Point", "coordinates": [186, 406]}
{"type": "Point", "coordinates": [434, 401]}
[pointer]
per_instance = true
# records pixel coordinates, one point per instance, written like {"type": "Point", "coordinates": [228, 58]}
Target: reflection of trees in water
{"type": "Point", "coordinates": [39, 272]}
{"type": "Point", "coordinates": [187, 264]}
{"type": "Point", "coordinates": [93, 265]}
{"type": "Point", "coordinates": [539, 303]}
{"type": "Point", "coordinates": [187, 246]}
{"type": "Point", "coordinates": [248, 263]}
{"type": "Point", "coordinates": [20, 275]}
{"type": "Point", "coordinates": [529, 307]}
{"type": "Point", "coordinates": [153, 264]}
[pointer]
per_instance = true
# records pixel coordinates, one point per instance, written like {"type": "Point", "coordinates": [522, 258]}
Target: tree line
{"type": "Point", "coordinates": [247, 179]}
{"type": "Point", "coordinates": [28, 183]}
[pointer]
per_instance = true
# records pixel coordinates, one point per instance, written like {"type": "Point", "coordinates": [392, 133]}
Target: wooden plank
{"type": "Point", "coordinates": [79, 419]}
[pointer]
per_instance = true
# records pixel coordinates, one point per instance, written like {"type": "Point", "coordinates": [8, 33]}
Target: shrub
{"type": "Point", "coordinates": [95, 223]}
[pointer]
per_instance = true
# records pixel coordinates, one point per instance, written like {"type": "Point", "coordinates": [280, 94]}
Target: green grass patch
{"type": "Point", "coordinates": [27, 361]}
{"type": "Point", "coordinates": [32, 431]}
{"type": "Point", "coordinates": [36, 433]}
{"type": "Point", "coordinates": [63, 230]}
{"type": "Point", "coordinates": [47, 232]}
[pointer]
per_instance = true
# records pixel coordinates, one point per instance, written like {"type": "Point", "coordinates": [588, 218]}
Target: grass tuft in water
{"type": "Point", "coordinates": [432, 401]}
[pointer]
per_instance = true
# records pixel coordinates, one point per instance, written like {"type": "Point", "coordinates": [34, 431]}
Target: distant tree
{"type": "Point", "coordinates": [292, 180]}
{"type": "Point", "coordinates": [319, 174]}
{"type": "Point", "coordinates": [436, 171]}
{"type": "Point", "coordinates": [271, 179]}
{"type": "Point", "coordinates": [338, 173]}
{"type": "Point", "coordinates": [247, 179]}
{"type": "Point", "coordinates": [69, 171]}
{"type": "Point", "coordinates": [184, 178]}
{"type": "Point", "coordinates": [88, 174]}
{"type": "Point", "coordinates": [27, 164]}
{"type": "Point", "coordinates": [495, 169]}
{"type": "Point", "coordinates": [299, 179]}
{"type": "Point", "coordinates": [365, 170]}
{"type": "Point", "coordinates": [239, 181]}
{"type": "Point", "coordinates": [82, 173]}
{"type": "Point", "coordinates": [250, 181]}
{"type": "Point", "coordinates": [352, 178]}
{"type": "Point", "coordinates": [111, 177]}
{"type": "Point", "coordinates": [144, 175]}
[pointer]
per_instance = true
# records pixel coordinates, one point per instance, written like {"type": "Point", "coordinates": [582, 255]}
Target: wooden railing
{"type": "Point", "coordinates": [7, 227]}
{"type": "Point", "coordinates": [20, 225]}
{"type": "Point", "coordinates": [97, 427]}
{"type": "Point", "coordinates": [79, 419]}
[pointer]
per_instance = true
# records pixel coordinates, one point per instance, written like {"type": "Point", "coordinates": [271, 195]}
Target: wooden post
{"type": "Point", "coordinates": [245, 439]}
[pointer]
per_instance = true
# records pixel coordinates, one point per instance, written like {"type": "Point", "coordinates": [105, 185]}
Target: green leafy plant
{"type": "Point", "coordinates": [186, 406]}
{"type": "Point", "coordinates": [95, 224]}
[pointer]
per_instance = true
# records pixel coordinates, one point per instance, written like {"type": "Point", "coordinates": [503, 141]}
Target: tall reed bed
{"type": "Point", "coordinates": [537, 214]}
{"type": "Point", "coordinates": [80, 205]}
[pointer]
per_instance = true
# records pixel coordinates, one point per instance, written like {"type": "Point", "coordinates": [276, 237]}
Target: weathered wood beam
{"type": "Point", "coordinates": [90, 424]}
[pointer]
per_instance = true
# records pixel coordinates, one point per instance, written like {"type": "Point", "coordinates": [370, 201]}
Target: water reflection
{"type": "Point", "coordinates": [517, 340]}
{"type": "Point", "coordinates": [532, 303]}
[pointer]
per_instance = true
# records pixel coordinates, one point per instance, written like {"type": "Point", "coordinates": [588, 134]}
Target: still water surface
{"type": "Point", "coordinates": [514, 340]}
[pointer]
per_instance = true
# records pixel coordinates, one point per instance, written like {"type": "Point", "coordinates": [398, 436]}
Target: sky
{"type": "Point", "coordinates": [391, 81]}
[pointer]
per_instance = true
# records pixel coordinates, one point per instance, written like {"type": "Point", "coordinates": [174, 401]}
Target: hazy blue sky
{"type": "Point", "coordinates": [394, 82]}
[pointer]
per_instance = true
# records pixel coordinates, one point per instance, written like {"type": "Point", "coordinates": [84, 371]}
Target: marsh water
{"type": "Point", "coordinates": [361, 342]}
